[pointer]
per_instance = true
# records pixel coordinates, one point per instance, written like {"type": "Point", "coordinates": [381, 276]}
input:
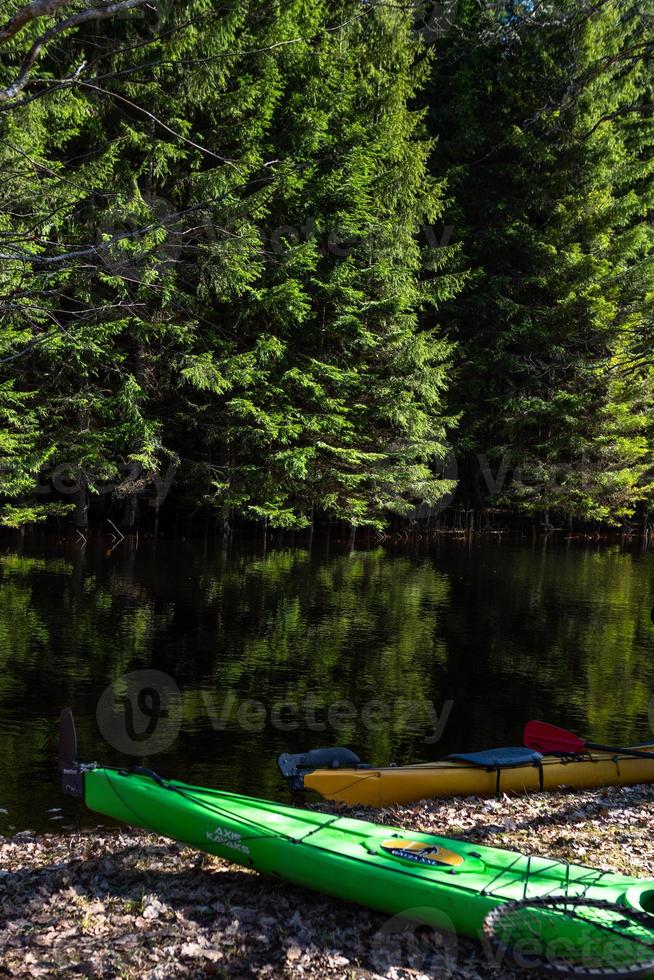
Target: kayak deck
{"type": "Point", "coordinates": [449, 883]}
{"type": "Point", "coordinates": [383, 786]}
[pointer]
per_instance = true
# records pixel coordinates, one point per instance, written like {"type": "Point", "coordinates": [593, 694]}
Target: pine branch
{"type": "Point", "coordinates": [645, 109]}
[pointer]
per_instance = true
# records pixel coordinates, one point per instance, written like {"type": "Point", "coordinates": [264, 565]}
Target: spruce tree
{"type": "Point", "coordinates": [333, 391]}
{"type": "Point", "coordinates": [222, 263]}
{"type": "Point", "coordinates": [552, 183]}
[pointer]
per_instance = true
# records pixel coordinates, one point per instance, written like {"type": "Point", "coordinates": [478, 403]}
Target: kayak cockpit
{"type": "Point", "coordinates": [641, 897]}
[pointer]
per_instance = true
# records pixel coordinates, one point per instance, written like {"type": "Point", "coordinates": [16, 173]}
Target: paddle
{"type": "Point", "coordinates": [550, 739]}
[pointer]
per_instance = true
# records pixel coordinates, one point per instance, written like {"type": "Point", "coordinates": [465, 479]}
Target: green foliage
{"type": "Point", "coordinates": [553, 192]}
{"type": "Point", "coordinates": [247, 189]}
{"type": "Point", "coordinates": [211, 240]}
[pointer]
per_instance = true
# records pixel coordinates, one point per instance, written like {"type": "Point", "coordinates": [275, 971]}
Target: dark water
{"type": "Point", "coordinates": [290, 649]}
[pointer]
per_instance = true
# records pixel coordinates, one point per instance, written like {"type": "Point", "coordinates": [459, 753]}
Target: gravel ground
{"type": "Point", "coordinates": [108, 903]}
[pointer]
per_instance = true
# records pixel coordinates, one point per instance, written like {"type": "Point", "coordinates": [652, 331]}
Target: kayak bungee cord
{"type": "Point", "coordinates": [176, 787]}
{"type": "Point", "coordinates": [245, 821]}
{"type": "Point", "coordinates": [591, 878]}
{"type": "Point", "coordinates": [211, 807]}
{"type": "Point", "coordinates": [555, 889]}
{"type": "Point", "coordinates": [617, 942]}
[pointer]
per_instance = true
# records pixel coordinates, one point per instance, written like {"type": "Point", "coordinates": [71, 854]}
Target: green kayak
{"type": "Point", "coordinates": [449, 883]}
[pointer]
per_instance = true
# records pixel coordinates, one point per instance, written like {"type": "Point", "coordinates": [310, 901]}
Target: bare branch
{"type": "Point", "coordinates": [160, 122]}
{"type": "Point", "coordinates": [84, 251]}
{"type": "Point", "coordinates": [83, 17]}
{"type": "Point", "coordinates": [32, 11]}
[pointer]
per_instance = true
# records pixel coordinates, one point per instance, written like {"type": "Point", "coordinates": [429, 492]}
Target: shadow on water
{"type": "Point", "coordinates": [291, 648]}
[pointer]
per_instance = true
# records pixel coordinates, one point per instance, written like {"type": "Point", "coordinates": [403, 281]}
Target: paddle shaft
{"type": "Point", "coordinates": [620, 751]}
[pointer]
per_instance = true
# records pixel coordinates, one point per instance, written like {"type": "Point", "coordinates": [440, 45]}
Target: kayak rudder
{"type": "Point", "coordinates": [294, 767]}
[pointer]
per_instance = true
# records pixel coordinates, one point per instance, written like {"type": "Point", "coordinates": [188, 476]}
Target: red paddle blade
{"type": "Point", "coordinates": [548, 738]}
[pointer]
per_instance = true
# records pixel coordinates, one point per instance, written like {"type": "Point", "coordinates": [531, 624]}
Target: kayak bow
{"type": "Point", "coordinates": [450, 884]}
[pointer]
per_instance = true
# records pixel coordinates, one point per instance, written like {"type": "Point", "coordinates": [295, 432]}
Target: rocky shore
{"type": "Point", "coordinates": [119, 903]}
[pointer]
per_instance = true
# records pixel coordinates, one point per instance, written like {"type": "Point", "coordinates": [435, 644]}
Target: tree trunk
{"type": "Point", "coordinates": [81, 512]}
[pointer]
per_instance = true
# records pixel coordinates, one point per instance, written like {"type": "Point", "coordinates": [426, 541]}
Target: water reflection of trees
{"type": "Point", "coordinates": [507, 632]}
{"type": "Point", "coordinates": [562, 634]}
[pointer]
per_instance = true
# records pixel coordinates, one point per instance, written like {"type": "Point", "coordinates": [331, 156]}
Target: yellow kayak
{"type": "Point", "coordinates": [337, 774]}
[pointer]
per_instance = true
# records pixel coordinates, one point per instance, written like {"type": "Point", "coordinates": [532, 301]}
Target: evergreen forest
{"type": "Point", "coordinates": [297, 262]}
